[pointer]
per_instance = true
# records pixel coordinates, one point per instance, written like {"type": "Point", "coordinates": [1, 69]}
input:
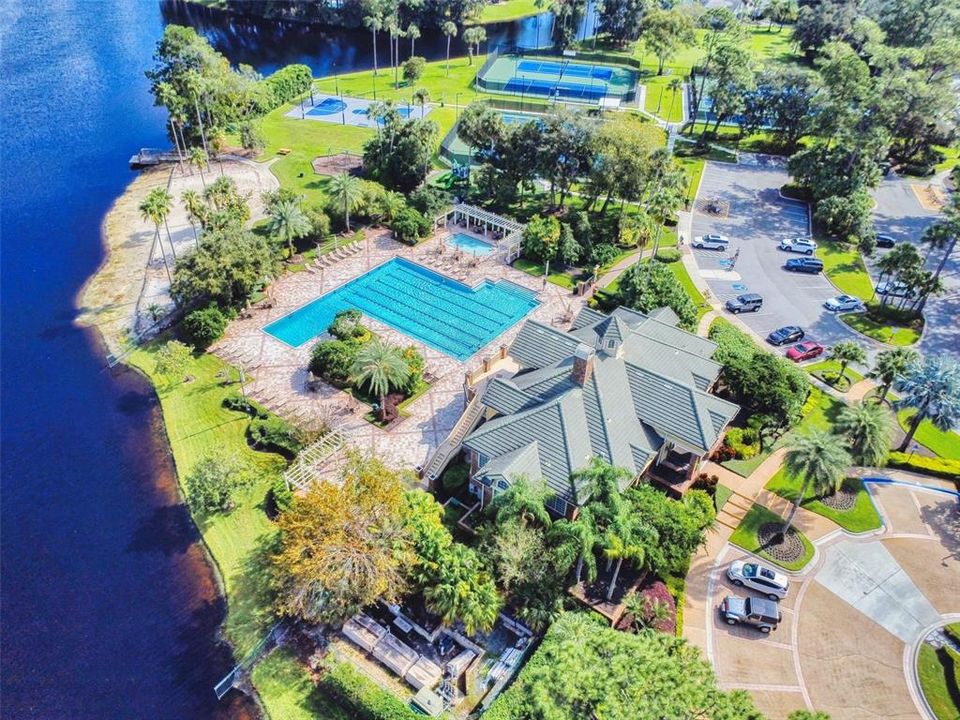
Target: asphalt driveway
{"type": "Point", "coordinates": [756, 218]}
{"type": "Point", "coordinates": [900, 215]}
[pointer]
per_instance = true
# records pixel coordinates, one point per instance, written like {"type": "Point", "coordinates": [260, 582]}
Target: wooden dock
{"type": "Point", "coordinates": [149, 157]}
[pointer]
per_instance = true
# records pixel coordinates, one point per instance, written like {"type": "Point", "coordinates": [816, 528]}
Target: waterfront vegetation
{"type": "Point", "coordinates": [507, 10]}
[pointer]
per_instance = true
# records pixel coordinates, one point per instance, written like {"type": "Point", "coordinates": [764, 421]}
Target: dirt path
{"type": "Point", "coordinates": [108, 301]}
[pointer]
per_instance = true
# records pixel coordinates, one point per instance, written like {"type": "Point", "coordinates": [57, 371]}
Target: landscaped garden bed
{"type": "Point", "coordinates": [828, 371]}
{"type": "Point", "coordinates": [939, 674]}
{"type": "Point", "coordinates": [888, 332]}
{"type": "Point", "coordinates": [850, 507]}
{"type": "Point", "coordinates": [759, 533]}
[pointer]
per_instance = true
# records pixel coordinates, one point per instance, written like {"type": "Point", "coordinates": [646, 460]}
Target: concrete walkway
{"type": "Point", "coordinates": [617, 270]}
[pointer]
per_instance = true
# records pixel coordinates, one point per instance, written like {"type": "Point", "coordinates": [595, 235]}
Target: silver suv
{"type": "Point", "coordinates": [764, 615]}
{"type": "Point", "coordinates": [799, 245]}
{"type": "Point", "coordinates": [760, 578]}
{"type": "Point", "coordinates": [711, 242]}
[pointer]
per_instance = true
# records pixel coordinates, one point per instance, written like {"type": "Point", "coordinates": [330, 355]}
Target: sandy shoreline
{"type": "Point", "coordinates": [108, 300]}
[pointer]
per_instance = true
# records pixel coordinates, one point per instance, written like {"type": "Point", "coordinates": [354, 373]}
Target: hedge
{"type": "Point", "coordinates": [365, 699]}
{"type": "Point", "coordinates": [288, 83]}
{"type": "Point", "coordinates": [938, 467]}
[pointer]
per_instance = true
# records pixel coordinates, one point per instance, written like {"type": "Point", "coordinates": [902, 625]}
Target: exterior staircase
{"type": "Point", "coordinates": [449, 448]}
{"type": "Point", "coordinates": [734, 510]}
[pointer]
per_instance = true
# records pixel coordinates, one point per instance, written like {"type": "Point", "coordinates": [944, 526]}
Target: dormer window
{"type": "Point", "coordinates": [611, 344]}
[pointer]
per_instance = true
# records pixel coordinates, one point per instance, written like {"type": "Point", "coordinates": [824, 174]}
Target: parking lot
{"type": "Point", "coordinates": [755, 218]}
{"type": "Point", "coordinates": [851, 621]}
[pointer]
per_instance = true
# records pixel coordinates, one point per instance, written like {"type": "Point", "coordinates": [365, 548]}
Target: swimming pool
{"type": "Point", "coordinates": [470, 245]}
{"type": "Point", "coordinates": [444, 314]}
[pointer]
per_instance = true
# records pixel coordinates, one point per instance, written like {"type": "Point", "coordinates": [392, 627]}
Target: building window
{"type": "Point", "coordinates": [557, 504]}
{"type": "Point", "coordinates": [502, 485]}
{"type": "Point", "coordinates": [611, 344]}
{"type": "Point", "coordinates": [482, 460]}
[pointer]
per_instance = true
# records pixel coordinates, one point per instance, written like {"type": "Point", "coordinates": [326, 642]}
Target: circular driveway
{"type": "Point", "coordinates": [851, 621]}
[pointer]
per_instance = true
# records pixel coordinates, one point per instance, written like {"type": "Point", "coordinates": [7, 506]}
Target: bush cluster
{"type": "Point", "coordinates": [286, 84]}
{"type": "Point", "coordinates": [365, 699]}
{"type": "Point", "coordinates": [410, 226]}
{"type": "Point", "coordinates": [744, 442]}
{"type": "Point", "coordinates": [202, 328]}
{"type": "Point", "coordinates": [938, 467]}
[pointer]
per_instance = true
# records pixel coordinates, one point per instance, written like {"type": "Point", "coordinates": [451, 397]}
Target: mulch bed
{"type": "Point", "coordinates": [786, 548]}
{"type": "Point", "coordinates": [842, 500]}
{"type": "Point", "coordinates": [336, 164]}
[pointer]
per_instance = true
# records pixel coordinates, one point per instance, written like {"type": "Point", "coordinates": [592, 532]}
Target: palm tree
{"type": "Point", "coordinates": [667, 200]}
{"type": "Point", "coordinates": [523, 500]}
{"type": "Point", "coordinates": [149, 210]}
{"type": "Point", "coordinates": [473, 36]}
{"type": "Point", "coordinates": [218, 143]}
{"type": "Point", "coordinates": [413, 32]}
{"type": "Point", "coordinates": [421, 96]}
{"type": "Point", "coordinates": [820, 459]}
{"type": "Point", "coordinates": [889, 365]}
{"type": "Point", "coordinates": [163, 204]}
{"type": "Point", "coordinates": [845, 352]}
{"type": "Point", "coordinates": [347, 192]}
{"type": "Point", "coordinates": [481, 608]}
{"type": "Point", "coordinates": [932, 388]}
{"type": "Point", "coordinates": [580, 536]}
{"type": "Point", "coordinates": [868, 429]}
{"type": "Point", "coordinates": [943, 235]}
{"type": "Point", "coordinates": [375, 24]}
{"type": "Point", "coordinates": [288, 222]}
{"type": "Point", "coordinates": [380, 366]}
{"type": "Point", "coordinates": [646, 612]}
{"type": "Point", "coordinates": [196, 211]}
{"type": "Point", "coordinates": [674, 86]}
{"type": "Point", "coordinates": [198, 159]}
{"type": "Point", "coordinates": [623, 540]}
{"type": "Point", "coordinates": [450, 30]}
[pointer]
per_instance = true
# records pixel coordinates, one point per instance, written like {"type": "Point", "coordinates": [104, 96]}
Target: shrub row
{"type": "Point", "coordinates": [287, 83]}
{"type": "Point", "coordinates": [266, 431]}
{"type": "Point", "coordinates": [938, 467]}
{"type": "Point", "coordinates": [365, 699]}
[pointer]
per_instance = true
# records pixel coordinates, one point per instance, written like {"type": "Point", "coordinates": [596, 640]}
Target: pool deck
{"type": "Point", "coordinates": [278, 373]}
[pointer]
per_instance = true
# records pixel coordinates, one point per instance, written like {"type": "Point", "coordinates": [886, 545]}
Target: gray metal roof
{"type": "Point", "coordinates": [627, 409]}
{"type": "Point", "coordinates": [523, 461]}
{"type": "Point", "coordinates": [665, 315]}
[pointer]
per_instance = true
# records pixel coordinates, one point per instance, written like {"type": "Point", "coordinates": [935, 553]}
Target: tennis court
{"type": "Point", "coordinates": [349, 110]}
{"type": "Point", "coordinates": [560, 79]}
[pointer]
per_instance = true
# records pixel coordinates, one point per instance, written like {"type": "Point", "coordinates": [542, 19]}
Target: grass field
{"type": "Point", "coordinates": [943, 444]}
{"type": "Point", "coordinates": [510, 10]}
{"type": "Point", "coordinates": [862, 517]}
{"type": "Point", "coordinates": [933, 682]}
{"type": "Point", "coordinates": [288, 693]}
{"type": "Point", "coordinates": [197, 424]}
{"type": "Point", "coordinates": [660, 100]}
{"type": "Point", "coordinates": [898, 335]}
{"type": "Point", "coordinates": [746, 537]}
{"type": "Point", "coordinates": [844, 267]}
{"type": "Point", "coordinates": [694, 169]}
{"type": "Point", "coordinates": [829, 371]}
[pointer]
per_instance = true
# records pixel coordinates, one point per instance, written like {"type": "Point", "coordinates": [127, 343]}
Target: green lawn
{"type": "Point", "coordinates": [561, 278]}
{"type": "Point", "coordinates": [746, 537]}
{"type": "Point", "coordinates": [680, 272]}
{"type": "Point", "coordinates": [820, 412]}
{"type": "Point", "coordinates": [952, 157]}
{"type": "Point", "coordinates": [723, 493]}
{"type": "Point", "coordinates": [694, 169]}
{"type": "Point", "coordinates": [288, 693]}
{"type": "Point", "coordinates": [940, 443]}
{"type": "Point", "coordinates": [197, 424]}
{"type": "Point", "coordinates": [933, 682]}
{"type": "Point", "coordinates": [860, 518]}
{"type": "Point", "coordinates": [829, 371]}
{"type": "Point", "coordinates": [660, 100]}
{"type": "Point", "coordinates": [844, 267]}
{"type": "Point", "coordinates": [510, 10]}
{"type": "Point", "coordinates": [890, 334]}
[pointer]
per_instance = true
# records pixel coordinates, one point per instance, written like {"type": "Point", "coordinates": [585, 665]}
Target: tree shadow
{"type": "Point", "coordinates": [944, 519]}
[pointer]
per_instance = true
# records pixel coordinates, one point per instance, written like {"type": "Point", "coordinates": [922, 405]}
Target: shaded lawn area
{"type": "Point", "coordinates": [660, 100]}
{"type": "Point", "coordinates": [933, 682]}
{"type": "Point", "coordinates": [899, 335]}
{"type": "Point", "coordinates": [940, 443]}
{"type": "Point", "coordinates": [829, 372]}
{"type": "Point", "coordinates": [693, 166]}
{"type": "Point", "coordinates": [686, 149]}
{"type": "Point", "coordinates": [197, 424]}
{"type": "Point", "coordinates": [862, 517]}
{"type": "Point", "coordinates": [762, 141]}
{"type": "Point", "coordinates": [844, 267]}
{"type": "Point", "coordinates": [821, 412]}
{"type": "Point", "coordinates": [745, 536]}
{"type": "Point", "coordinates": [288, 693]}
{"type": "Point", "coordinates": [509, 10]}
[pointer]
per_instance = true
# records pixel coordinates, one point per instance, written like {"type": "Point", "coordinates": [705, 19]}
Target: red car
{"type": "Point", "coordinates": [805, 351]}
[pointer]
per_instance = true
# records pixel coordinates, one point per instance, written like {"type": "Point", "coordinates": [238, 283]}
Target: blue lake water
{"type": "Point", "coordinates": [442, 313]}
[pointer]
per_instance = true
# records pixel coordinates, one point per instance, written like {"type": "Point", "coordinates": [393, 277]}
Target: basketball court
{"type": "Point", "coordinates": [343, 110]}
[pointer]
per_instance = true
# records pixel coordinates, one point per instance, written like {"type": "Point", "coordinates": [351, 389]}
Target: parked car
{"type": "Point", "coordinates": [843, 303]}
{"type": "Point", "coordinates": [807, 265]}
{"type": "Point", "coordinates": [805, 351]}
{"type": "Point", "coordinates": [895, 289]}
{"type": "Point", "coordinates": [748, 302]}
{"type": "Point", "coordinates": [761, 613]}
{"type": "Point", "coordinates": [799, 245]}
{"type": "Point", "coordinates": [711, 242]}
{"type": "Point", "coordinates": [760, 578]}
{"type": "Point", "coordinates": [784, 335]}
{"type": "Point", "coordinates": [885, 241]}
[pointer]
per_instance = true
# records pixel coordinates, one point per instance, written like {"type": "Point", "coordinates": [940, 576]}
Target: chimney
{"type": "Point", "coordinates": [582, 364]}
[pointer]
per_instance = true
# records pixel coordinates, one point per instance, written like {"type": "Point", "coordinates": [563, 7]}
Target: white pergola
{"type": "Point", "coordinates": [318, 461]}
{"type": "Point", "coordinates": [511, 230]}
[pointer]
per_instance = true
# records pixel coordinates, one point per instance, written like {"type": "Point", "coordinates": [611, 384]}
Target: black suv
{"type": "Point", "coordinates": [807, 265]}
{"type": "Point", "coordinates": [784, 335]}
